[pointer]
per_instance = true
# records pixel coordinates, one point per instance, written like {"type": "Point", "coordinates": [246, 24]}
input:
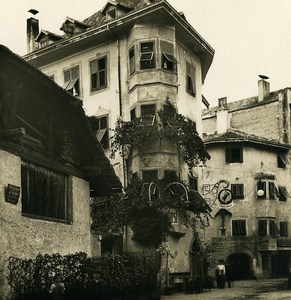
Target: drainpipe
{"type": "Point", "coordinates": [120, 109]}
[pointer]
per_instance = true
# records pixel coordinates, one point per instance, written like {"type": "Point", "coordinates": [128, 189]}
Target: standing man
{"type": "Point", "coordinates": [228, 274]}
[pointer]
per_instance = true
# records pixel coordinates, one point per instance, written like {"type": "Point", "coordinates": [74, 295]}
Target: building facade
{"type": "Point", "coordinates": [46, 178]}
{"type": "Point", "coordinates": [249, 144]}
{"type": "Point", "coordinates": [126, 61]}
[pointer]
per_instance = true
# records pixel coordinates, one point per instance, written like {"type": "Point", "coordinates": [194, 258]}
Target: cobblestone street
{"type": "Point", "coordinates": [274, 289]}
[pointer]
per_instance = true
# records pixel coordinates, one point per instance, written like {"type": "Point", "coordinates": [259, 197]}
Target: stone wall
{"type": "Point", "coordinates": [25, 237]}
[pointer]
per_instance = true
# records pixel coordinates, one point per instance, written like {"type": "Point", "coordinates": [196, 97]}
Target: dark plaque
{"type": "Point", "coordinates": [12, 193]}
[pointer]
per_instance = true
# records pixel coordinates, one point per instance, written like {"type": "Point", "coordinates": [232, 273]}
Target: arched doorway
{"type": "Point", "coordinates": [241, 266]}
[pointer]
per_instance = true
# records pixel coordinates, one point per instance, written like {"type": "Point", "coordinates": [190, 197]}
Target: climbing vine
{"type": "Point", "coordinates": [147, 208]}
{"type": "Point", "coordinates": [174, 127]}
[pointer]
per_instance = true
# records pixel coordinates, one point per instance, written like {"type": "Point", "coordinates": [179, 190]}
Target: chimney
{"type": "Point", "coordinates": [222, 117]}
{"type": "Point", "coordinates": [32, 32]}
{"type": "Point", "coordinates": [263, 87]}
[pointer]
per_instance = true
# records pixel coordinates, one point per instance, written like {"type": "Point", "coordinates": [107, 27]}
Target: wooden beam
{"type": "Point", "coordinates": [12, 132]}
{"type": "Point", "coordinates": [31, 127]}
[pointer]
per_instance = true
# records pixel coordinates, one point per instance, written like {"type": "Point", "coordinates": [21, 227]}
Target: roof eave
{"type": "Point", "coordinates": [205, 53]}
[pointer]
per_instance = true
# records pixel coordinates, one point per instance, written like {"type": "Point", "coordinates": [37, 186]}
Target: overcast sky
{"type": "Point", "coordinates": [250, 37]}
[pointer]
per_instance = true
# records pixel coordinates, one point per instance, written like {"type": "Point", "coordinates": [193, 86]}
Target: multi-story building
{"type": "Point", "coordinates": [50, 164]}
{"type": "Point", "coordinates": [126, 61]}
{"type": "Point", "coordinates": [249, 144]}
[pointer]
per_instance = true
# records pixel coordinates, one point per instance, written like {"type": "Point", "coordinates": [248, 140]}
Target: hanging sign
{"type": "Point", "coordinates": [225, 197]}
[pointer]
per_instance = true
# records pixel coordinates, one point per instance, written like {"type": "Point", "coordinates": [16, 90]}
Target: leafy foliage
{"type": "Point", "coordinates": [84, 277]}
{"type": "Point", "coordinates": [175, 127]}
{"type": "Point", "coordinates": [150, 217]}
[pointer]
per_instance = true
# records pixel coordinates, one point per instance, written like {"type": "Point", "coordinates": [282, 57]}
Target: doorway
{"type": "Point", "coordinates": [241, 266]}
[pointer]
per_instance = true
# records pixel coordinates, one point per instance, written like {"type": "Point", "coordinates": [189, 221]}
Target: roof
{"type": "Point", "coordinates": [47, 33]}
{"type": "Point", "coordinates": [67, 141]}
{"type": "Point", "coordinates": [243, 104]}
{"type": "Point", "coordinates": [102, 30]}
{"type": "Point", "coordinates": [236, 136]}
{"type": "Point", "coordinates": [99, 18]}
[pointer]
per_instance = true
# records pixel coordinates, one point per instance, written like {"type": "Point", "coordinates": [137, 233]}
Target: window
{"type": "Point", "coordinates": [282, 161]}
{"type": "Point", "coordinates": [111, 14]}
{"type": "Point", "coordinates": [193, 183]}
{"type": "Point", "coordinates": [98, 71]}
{"type": "Point", "coordinates": [274, 230]}
{"type": "Point", "coordinates": [147, 113]}
{"type": "Point", "coordinates": [261, 189]}
{"type": "Point", "coordinates": [170, 174]}
{"type": "Point", "coordinates": [169, 116]}
{"type": "Point", "coordinates": [44, 192]}
{"type": "Point", "coordinates": [237, 191]}
{"type": "Point", "coordinates": [132, 114]}
{"type": "Point", "coordinates": [147, 55]}
{"type": "Point", "coordinates": [102, 133]}
{"type": "Point", "coordinates": [131, 61]}
{"type": "Point", "coordinates": [283, 193]}
{"type": "Point", "coordinates": [283, 228]}
{"type": "Point", "coordinates": [190, 79]}
{"type": "Point", "coordinates": [262, 227]}
{"type": "Point", "coordinates": [273, 191]}
{"type": "Point", "coordinates": [150, 175]}
{"type": "Point", "coordinates": [71, 81]}
{"type": "Point", "coordinates": [234, 155]}
{"type": "Point", "coordinates": [239, 227]}
{"type": "Point", "coordinates": [169, 61]}
{"type": "Point", "coordinates": [267, 190]}
{"type": "Point", "coordinates": [268, 227]}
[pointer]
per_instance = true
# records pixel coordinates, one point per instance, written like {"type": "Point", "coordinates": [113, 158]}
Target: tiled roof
{"type": "Point", "coordinates": [98, 19]}
{"type": "Point", "coordinates": [242, 104]}
{"type": "Point", "coordinates": [238, 136]}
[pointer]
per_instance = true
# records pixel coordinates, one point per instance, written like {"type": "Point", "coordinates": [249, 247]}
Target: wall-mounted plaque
{"type": "Point", "coordinates": [12, 194]}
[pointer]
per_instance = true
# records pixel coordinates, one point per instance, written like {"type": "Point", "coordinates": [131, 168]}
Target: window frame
{"type": "Point", "coordinates": [190, 79]}
{"type": "Point", "coordinates": [102, 131]}
{"type": "Point", "coordinates": [145, 62]}
{"type": "Point", "coordinates": [95, 76]}
{"type": "Point", "coordinates": [283, 193]}
{"type": "Point", "coordinates": [237, 190]}
{"type": "Point", "coordinates": [72, 85]}
{"type": "Point", "coordinates": [42, 193]}
{"type": "Point", "coordinates": [146, 173]}
{"type": "Point", "coordinates": [241, 226]}
{"type": "Point", "coordinates": [147, 118]}
{"type": "Point", "coordinates": [168, 60]}
{"type": "Point", "coordinates": [231, 157]}
{"type": "Point", "coordinates": [283, 226]}
{"type": "Point", "coordinates": [270, 228]}
{"type": "Point", "coordinates": [131, 59]}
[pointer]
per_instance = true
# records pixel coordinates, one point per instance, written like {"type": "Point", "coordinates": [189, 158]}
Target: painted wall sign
{"type": "Point", "coordinates": [12, 194]}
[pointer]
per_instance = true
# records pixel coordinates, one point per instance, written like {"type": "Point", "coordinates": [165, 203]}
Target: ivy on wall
{"type": "Point", "coordinates": [149, 212]}
{"type": "Point", "coordinates": [174, 127]}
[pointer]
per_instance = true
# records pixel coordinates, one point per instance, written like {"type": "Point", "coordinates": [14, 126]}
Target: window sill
{"type": "Point", "coordinates": [41, 218]}
{"type": "Point", "coordinates": [96, 91]}
{"type": "Point", "coordinates": [193, 94]}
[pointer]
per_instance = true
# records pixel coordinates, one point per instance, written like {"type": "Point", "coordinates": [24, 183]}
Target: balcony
{"type": "Point", "coordinates": [283, 244]}
{"type": "Point", "coordinates": [267, 244]}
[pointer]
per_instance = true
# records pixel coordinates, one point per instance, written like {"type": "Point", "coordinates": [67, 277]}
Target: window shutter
{"type": "Point", "coordinates": [67, 75]}
{"type": "Point", "coordinates": [227, 155]}
{"type": "Point", "coordinates": [75, 72]}
{"type": "Point", "coordinates": [93, 66]}
{"type": "Point", "coordinates": [167, 48]}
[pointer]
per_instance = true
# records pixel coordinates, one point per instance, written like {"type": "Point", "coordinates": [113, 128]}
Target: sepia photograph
{"type": "Point", "coordinates": [145, 149]}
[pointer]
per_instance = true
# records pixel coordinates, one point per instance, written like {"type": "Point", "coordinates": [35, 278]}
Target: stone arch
{"type": "Point", "coordinates": [241, 265]}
